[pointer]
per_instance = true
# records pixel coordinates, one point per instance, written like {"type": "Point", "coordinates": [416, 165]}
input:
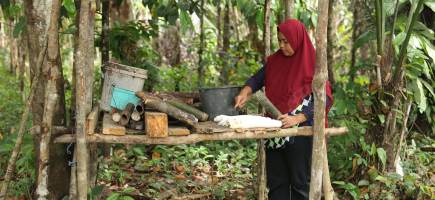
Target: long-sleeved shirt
{"type": "Point", "coordinates": [256, 82]}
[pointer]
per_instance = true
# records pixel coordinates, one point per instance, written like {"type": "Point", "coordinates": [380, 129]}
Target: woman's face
{"type": "Point", "coordinates": [284, 45]}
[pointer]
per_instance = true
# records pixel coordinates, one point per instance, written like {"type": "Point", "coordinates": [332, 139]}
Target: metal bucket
{"type": "Point", "coordinates": [123, 77]}
{"type": "Point", "coordinates": [217, 101]}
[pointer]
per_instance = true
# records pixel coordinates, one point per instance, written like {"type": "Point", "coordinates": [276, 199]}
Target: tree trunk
{"type": "Point", "coordinates": [23, 124]}
{"type": "Point", "coordinates": [281, 17]}
{"type": "Point", "coordinates": [319, 84]}
{"type": "Point", "coordinates": [218, 26]}
{"type": "Point", "coordinates": [82, 166]}
{"type": "Point", "coordinates": [51, 73]}
{"type": "Point", "coordinates": [92, 155]}
{"type": "Point", "coordinates": [201, 44]}
{"type": "Point", "coordinates": [262, 176]}
{"type": "Point", "coordinates": [72, 109]}
{"type": "Point", "coordinates": [104, 56]}
{"type": "Point", "coordinates": [226, 47]}
{"type": "Point", "coordinates": [23, 58]}
{"type": "Point", "coordinates": [289, 9]}
{"type": "Point", "coordinates": [37, 24]}
{"type": "Point", "coordinates": [330, 47]}
{"type": "Point", "coordinates": [11, 43]}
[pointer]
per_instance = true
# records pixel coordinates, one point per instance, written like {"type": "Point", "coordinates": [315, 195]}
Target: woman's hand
{"type": "Point", "coordinates": [242, 98]}
{"type": "Point", "coordinates": [289, 121]}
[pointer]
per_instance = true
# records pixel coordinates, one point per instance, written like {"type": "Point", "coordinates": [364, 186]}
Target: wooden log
{"type": "Point", "coordinates": [162, 106]}
{"type": "Point", "coordinates": [197, 105]}
{"type": "Point", "coordinates": [114, 110]}
{"type": "Point", "coordinates": [55, 130]}
{"type": "Point", "coordinates": [194, 138]}
{"type": "Point", "coordinates": [116, 117]}
{"type": "Point", "coordinates": [140, 107]}
{"type": "Point", "coordinates": [265, 102]}
{"type": "Point", "coordinates": [126, 114]}
{"type": "Point", "coordinates": [112, 128]}
{"type": "Point", "coordinates": [188, 95]}
{"type": "Point", "coordinates": [92, 120]}
{"type": "Point", "coordinates": [135, 116]}
{"type": "Point", "coordinates": [202, 116]}
{"type": "Point", "coordinates": [178, 130]}
{"type": "Point", "coordinates": [136, 125]}
{"type": "Point", "coordinates": [187, 101]}
{"type": "Point", "coordinates": [156, 124]}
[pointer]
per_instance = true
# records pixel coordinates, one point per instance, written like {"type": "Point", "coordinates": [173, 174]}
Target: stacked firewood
{"type": "Point", "coordinates": [152, 111]}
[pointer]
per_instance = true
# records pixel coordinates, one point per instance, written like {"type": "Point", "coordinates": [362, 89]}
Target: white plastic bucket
{"type": "Point", "coordinates": [121, 76]}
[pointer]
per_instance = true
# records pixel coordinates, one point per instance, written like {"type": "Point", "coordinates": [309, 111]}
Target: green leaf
{"type": "Point", "coordinates": [363, 182]}
{"type": "Point", "coordinates": [382, 118]}
{"type": "Point", "coordinates": [365, 38]}
{"type": "Point", "coordinates": [341, 107]}
{"type": "Point", "coordinates": [381, 178]}
{"type": "Point", "coordinates": [428, 87]}
{"type": "Point", "coordinates": [128, 190]}
{"type": "Point", "coordinates": [414, 146]}
{"type": "Point", "coordinates": [69, 5]}
{"type": "Point", "coordinates": [340, 93]}
{"type": "Point", "coordinates": [373, 150]}
{"type": "Point", "coordinates": [19, 26]}
{"type": "Point", "coordinates": [430, 49]}
{"type": "Point", "coordinates": [382, 155]}
{"type": "Point", "coordinates": [97, 190]}
{"type": "Point", "coordinates": [383, 102]}
{"type": "Point", "coordinates": [314, 19]}
{"type": "Point", "coordinates": [419, 95]}
{"type": "Point", "coordinates": [339, 182]}
{"type": "Point", "coordinates": [398, 40]}
{"type": "Point", "coordinates": [24, 31]}
{"type": "Point", "coordinates": [399, 111]}
{"type": "Point", "coordinates": [117, 24]}
{"type": "Point", "coordinates": [351, 108]}
{"type": "Point", "coordinates": [338, 65]}
{"type": "Point", "coordinates": [164, 2]}
{"type": "Point", "coordinates": [126, 198]}
{"type": "Point", "coordinates": [431, 5]}
{"type": "Point", "coordinates": [305, 19]}
{"type": "Point", "coordinates": [184, 20]}
{"type": "Point", "coordinates": [138, 151]}
{"type": "Point", "coordinates": [260, 18]}
{"type": "Point", "coordinates": [113, 196]}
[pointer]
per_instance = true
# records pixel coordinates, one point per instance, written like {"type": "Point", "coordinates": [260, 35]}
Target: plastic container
{"type": "Point", "coordinates": [123, 77]}
{"type": "Point", "coordinates": [120, 98]}
{"type": "Point", "coordinates": [217, 101]}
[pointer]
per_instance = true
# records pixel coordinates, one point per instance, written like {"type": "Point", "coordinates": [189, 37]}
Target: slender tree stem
{"type": "Point", "coordinates": [405, 44]}
{"type": "Point", "coordinates": [24, 120]}
{"type": "Point", "coordinates": [319, 91]}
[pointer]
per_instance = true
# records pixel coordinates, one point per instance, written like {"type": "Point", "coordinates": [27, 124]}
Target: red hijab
{"type": "Point", "coordinates": [289, 79]}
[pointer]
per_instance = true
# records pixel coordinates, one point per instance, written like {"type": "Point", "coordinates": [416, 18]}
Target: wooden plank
{"type": "Point", "coordinates": [210, 127]}
{"type": "Point", "coordinates": [156, 124]}
{"type": "Point", "coordinates": [178, 130]}
{"type": "Point", "coordinates": [92, 120]}
{"type": "Point", "coordinates": [110, 127]}
{"type": "Point", "coordinates": [194, 138]}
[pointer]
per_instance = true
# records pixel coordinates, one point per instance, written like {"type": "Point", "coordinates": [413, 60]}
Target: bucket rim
{"type": "Point", "coordinates": [219, 87]}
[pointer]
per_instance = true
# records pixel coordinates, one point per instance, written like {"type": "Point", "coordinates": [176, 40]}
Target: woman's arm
{"type": "Point", "coordinates": [255, 83]}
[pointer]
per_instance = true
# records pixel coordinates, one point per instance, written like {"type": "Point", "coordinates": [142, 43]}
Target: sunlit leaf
{"type": "Point", "coordinates": [419, 94]}
{"type": "Point", "coordinates": [382, 155]}
{"type": "Point", "coordinates": [382, 118]}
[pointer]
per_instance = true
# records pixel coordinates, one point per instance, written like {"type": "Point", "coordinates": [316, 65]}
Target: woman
{"type": "Point", "coordinates": [287, 79]}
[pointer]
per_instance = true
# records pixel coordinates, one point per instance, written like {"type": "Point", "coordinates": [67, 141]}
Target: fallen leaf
{"type": "Point", "coordinates": [180, 177]}
{"type": "Point", "coordinates": [207, 171]}
{"type": "Point", "coordinates": [157, 169]}
{"type": "Point", "coordinates": [156, 155]}
{"type": "Point", "coordinates": [197, 178]}
{"type": "Point", "coordinates": [181, 168]}
{"type": "Point", "coordinates": [373, 88]}
{"type": "Point", "coordinates": [355, 163]}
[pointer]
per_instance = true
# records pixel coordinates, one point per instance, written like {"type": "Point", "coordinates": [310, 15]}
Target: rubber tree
{"type": "Point", "coordinates": [319, 85]}
{"type": "Point", "coordinates": [38, 19]}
